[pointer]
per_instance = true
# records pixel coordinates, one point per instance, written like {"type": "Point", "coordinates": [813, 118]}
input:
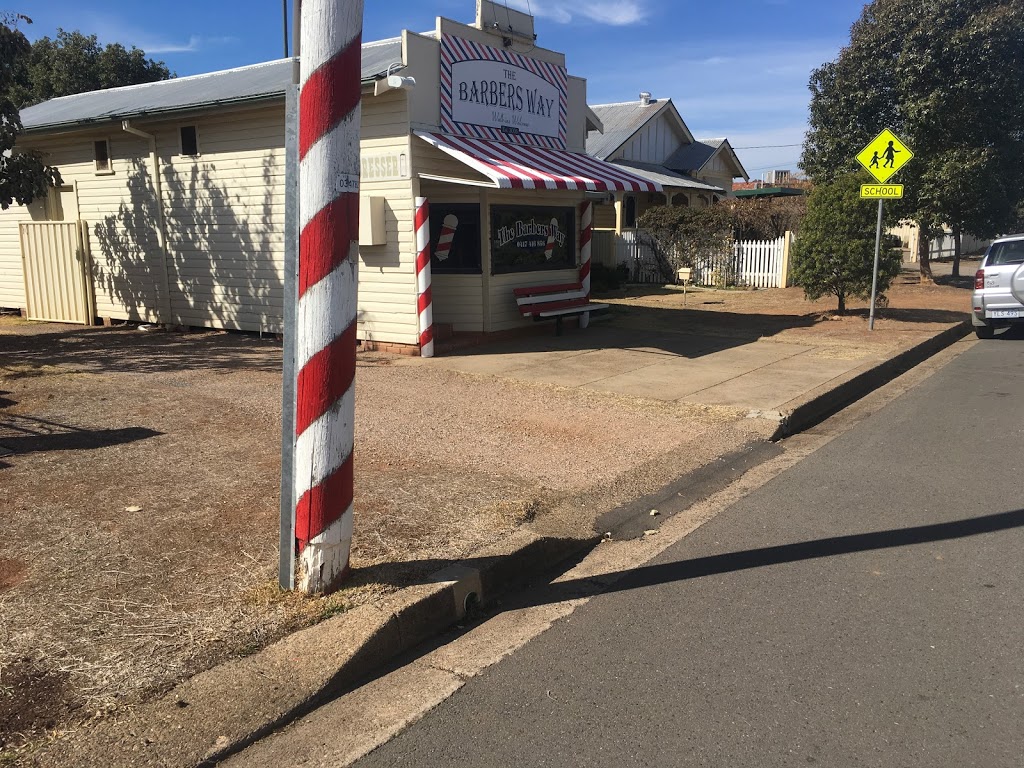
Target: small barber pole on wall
{"type": "Point", "coordinates": [324, 347]}
{"type": "Point", "coordinates": [444, 243]}
{"type": "Point", "coordinates": [549, 246]}
{"type": "Point", "coordinates": [424, 301]}
{"type": "Point", "coordinates": [586, 234]}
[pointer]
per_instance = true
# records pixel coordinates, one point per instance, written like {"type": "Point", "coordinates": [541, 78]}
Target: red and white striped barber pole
{"type": "Point", "coordinates": [325, 339]}
{"type": "Point", "coordinates": [586, 233]}
{"type": "Point", "coordinates": [423, 294]}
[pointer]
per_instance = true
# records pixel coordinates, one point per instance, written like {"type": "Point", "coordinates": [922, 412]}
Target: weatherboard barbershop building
{"type": "Point", "coordinates": [172, 205]}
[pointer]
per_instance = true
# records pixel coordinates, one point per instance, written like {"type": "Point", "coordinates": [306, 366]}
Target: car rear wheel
{"type": "Point", "coordinates": [984, 331]}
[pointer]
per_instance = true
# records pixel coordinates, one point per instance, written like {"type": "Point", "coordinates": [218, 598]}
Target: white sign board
{"type": "Point", "coordinates": [505, 97]}
{"type": "Point", "coordinates": [489, 93]}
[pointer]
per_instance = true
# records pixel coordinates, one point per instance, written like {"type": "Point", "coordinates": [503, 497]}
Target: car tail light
{"type": "Point", "coordinates": [979, 279]}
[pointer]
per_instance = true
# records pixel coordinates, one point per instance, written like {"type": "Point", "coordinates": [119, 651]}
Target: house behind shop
{"type": "Point", "coordinates": [172, 206]}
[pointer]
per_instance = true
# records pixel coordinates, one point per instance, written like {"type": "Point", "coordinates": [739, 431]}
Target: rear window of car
{"type": "Point", "coordinates": [1006, 253]}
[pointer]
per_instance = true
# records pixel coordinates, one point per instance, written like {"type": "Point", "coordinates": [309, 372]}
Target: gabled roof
{"type": "Point", "coordinates": [622, 121]}
{"type": "Point", "coordinates": [230, 86]}
{"type": "Point", "coordinates": [693, 157]}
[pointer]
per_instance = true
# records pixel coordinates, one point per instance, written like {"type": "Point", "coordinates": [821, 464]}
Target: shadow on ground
{"type": "Point", "coordinates": [125, 349]}
{"type": "Point", "coordinates": [21, 434]}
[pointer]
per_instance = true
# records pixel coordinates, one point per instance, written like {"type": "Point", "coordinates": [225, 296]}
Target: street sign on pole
{"type": "Point", "coordinates": [882, 158]}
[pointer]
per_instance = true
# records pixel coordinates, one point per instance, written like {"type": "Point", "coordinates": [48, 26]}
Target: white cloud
{"type": "Point", "coordinates": [191, 46]}
{"type": "Point", "coordinates": [618, 14]}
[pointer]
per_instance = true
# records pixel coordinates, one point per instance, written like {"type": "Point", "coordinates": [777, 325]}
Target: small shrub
{"type": "Point", "coordinates": [604, 278]}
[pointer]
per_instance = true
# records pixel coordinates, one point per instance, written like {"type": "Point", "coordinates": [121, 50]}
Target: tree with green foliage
{"type": "Point", "coordinates": [835, 252]}
{"type": "Point", "coordinates": [23, 175]}
{"type": "Point", "coordinates": [76, 63]}
{"type": "Point", "coordinates": [947, 76]}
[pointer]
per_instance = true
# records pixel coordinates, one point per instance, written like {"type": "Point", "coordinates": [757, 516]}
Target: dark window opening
{"type": "Point", "coordinates": [455, 239]}
{"type": "Point", "coordinates": [101, 153]}
{"type": "Point", "coordinates": [189, 140]}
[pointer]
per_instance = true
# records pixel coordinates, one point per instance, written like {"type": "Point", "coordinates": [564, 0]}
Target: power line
{"type": "Point", "coordinates": [770, 146]}
{"type": "Point", "coordinates": [775, 166]}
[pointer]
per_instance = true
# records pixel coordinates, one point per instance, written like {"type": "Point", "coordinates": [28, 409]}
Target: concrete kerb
{"type": "Point", "coordinates": [219, 712]}
{"type": "Point", "coordinates": [817, 405]}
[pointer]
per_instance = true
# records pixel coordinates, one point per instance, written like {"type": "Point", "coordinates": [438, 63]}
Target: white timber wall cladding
{"type": "Point", "coordinates": [387, 273]}
{"type": "Point", "coordinates": [224, 215]}
{"type": "Point", "coordinates": [225, 219]}
{"type": "Point", "coordinates": [12, 281]}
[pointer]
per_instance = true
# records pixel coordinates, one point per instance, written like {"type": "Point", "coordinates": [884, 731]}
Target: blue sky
{"type": "Point", "coordinates": [735, 68]}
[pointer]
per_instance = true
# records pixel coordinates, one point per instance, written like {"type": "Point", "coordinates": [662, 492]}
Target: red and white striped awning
{"type": "Point", "coordinates": [518, 166]}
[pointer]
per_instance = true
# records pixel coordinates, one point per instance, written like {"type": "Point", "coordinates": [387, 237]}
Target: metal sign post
{"type": "Point", "coordinates": [874, 273]}
{"type": "Point", "coordinates": [882, 158]}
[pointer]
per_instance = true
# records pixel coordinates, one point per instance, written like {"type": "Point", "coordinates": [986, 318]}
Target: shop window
{"type": "Point", "coordinates": [189, 140]}
{"type": "Point", "coordinates": [629, 212]}
{"type": "Point", "coordinates": [532, 238]}
{"type": "Point", "coordinates": [455, 239]}
{"type": "Point", "coordinates": [101, 156]}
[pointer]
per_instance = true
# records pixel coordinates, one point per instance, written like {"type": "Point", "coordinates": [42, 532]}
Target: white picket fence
{"type": "Point", "coordinates": [759, 262]}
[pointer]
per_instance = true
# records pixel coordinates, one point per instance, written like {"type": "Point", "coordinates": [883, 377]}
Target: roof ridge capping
{"type": "Point", "coordinates": [199, 76]}
{"type": "Point", "coordinates": [633, 102]}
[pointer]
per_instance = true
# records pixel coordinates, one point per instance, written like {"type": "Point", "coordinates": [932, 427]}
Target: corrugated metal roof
{"type": "Point", "coordinates": [666, 177]}
{"type": "Point", "coordinates": [621, 121]}
{"type": "Point", "coordinates": [258, 81]}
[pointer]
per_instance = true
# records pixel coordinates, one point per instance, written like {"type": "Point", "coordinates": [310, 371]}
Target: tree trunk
{"type": "Point", "coordinates": [923, 259]}
{"type": "Point", "coordinates": [842, 304]}
{"type": "Point", "coordinates": [957, 240]}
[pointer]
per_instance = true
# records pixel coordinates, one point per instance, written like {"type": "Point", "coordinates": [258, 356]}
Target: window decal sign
{"type": "Point", "coordinates": [532, 238]}
{"type": "Point", "coordinates": [489, 93]}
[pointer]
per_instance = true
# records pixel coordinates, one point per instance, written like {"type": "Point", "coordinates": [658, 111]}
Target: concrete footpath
{"type": "Point", "coordinates": [794, 383]}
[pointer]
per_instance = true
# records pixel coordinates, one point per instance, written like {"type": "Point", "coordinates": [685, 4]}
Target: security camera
{"type": "Point", "coordinates": [397, 81]}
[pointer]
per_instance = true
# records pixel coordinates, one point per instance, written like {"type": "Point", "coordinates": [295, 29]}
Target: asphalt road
{"type": "Point", "coordinates": [864, 608]}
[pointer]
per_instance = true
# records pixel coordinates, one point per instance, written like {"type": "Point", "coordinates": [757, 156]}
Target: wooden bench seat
{"type": "Point", "coordinates": [545, 302]}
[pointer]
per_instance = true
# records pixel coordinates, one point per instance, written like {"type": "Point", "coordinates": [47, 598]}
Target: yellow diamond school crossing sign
{"type": "Point", "coordinates": [884, 156]}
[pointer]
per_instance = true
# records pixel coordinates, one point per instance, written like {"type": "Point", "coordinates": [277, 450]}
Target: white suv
{"type": "Point", "coordinates": [998, 298]}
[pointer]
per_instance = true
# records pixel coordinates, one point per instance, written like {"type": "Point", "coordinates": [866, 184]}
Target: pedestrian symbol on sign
{"type": "Point", "coordinates": [890, 155]}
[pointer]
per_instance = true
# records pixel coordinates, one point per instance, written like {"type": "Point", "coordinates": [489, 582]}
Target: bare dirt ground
{"type": "Point", "coordinates": [139, 477]}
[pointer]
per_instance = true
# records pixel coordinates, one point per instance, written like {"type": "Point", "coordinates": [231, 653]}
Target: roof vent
{"type": "Point", "coordinates": [645, 98]}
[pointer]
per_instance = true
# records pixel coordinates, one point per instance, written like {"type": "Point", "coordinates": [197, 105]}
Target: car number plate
{"type": "Point", "coordinates": [1005, 313]}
